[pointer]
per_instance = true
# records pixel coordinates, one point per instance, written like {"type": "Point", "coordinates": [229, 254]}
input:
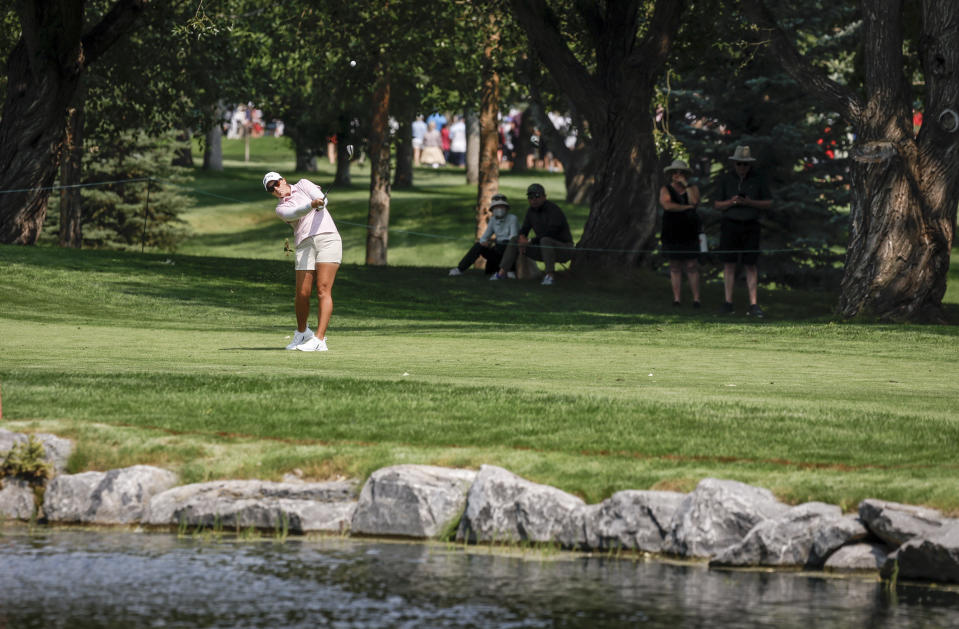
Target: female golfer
{"type": "Point", "coordinates": [319, 252]}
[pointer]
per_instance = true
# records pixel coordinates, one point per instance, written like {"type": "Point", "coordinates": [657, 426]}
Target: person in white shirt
{"type": "Point", "coordinates": [458, 142]}
{"type": "Point", "coordinates": [319, 252]}
{"type": "Point", "coordinates": [501, 229]}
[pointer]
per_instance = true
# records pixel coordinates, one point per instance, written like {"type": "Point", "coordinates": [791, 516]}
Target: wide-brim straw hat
{"type": "Point", "coordinates": [678, 165]}
{"type": "Point", "coordinates": [742, 154]}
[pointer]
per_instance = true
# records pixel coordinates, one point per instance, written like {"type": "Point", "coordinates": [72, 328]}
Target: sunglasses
{"type": "Point", "coordinates": [742, 163]}
{"type": "Point", "coordinates": [533, 196]}
{"type": "Point", "coordinates": [270, 187]}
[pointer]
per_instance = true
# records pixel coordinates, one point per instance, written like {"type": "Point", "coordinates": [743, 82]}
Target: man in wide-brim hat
{"type": "Point", "coordinates": [741, 195]}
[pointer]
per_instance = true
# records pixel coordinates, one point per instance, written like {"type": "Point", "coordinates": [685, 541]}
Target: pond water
{"type": "Point", "coordinates": [82, 579]}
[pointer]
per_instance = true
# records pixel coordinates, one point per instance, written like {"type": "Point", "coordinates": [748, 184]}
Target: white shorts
{"type": "Point", "coordinates": [318, 249]}
{"type": "Point", "coordinates": [417, 143]}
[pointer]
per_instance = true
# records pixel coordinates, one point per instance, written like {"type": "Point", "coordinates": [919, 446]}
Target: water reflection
{"type": "Point", "coordinates": [85, 579]}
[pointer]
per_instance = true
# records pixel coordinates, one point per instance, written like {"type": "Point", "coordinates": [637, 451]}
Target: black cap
{"type": "Point", "coordinates": [535, 190]}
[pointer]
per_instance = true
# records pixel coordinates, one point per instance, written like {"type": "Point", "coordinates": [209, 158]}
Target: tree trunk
{"type": "Point", "coordinates": [472, 147]}
{"type": "Point", "coordinates": [488, 180]}
{"type": "Point", "coordinates": [523, 146]}
{"type": "Point", "coordinates": [906, 189]}
{"type": "Point", "coordinates": [213, 151]}
{"type": "Point", "coordinates": [614, 98]}
{"type": "Point", "coordinates": [403, 177]}
{"type": "Point", "coordinates": [342, 177]}
{"type": "Point", "coordinates": [43, 72]}
{"type": "Point", "coordinates": [184, 154]}
{"type": "Point", "coordinates": [378, 220]}
{"type": "Point", "coordinates": [71, 176]}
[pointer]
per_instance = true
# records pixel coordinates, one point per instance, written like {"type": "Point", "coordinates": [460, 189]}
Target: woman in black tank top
{"type": "Point", "coordinates": [680, 235]}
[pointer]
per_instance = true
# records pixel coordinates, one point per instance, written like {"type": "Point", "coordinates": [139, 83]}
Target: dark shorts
{"type": "Point", "coordinates": [740, 241]}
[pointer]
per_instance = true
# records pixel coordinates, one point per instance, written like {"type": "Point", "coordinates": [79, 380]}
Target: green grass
{"type": "Point", "coordinates": [591, 386]}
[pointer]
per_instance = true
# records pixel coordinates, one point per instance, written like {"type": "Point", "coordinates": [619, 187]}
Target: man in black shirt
{"type": "Point", "coordinates": [553, 242]}
{"type": "Point", "coordinates": [740, 196]}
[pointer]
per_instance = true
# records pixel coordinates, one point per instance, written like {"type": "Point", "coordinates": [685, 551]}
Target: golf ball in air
{"type": "Point", "coordinates": [353, 63]}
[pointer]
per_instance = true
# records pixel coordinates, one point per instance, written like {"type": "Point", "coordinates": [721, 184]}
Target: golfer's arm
{"type": "Point", "coordinates": [294, 213]}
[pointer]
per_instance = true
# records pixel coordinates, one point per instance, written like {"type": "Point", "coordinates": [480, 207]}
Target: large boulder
{"type": "Point", "coordinates": [932, 557]}
{"type": "Point", "coordinates": [56, 449]}
{"type": "Point", "coordinates": [242, 504]}
{"type": "Point", "coordinates": [630, 519]}
{"type": "Point", "coordinates": [835, 534]}
{"type": "Point", "coordinates": [896, 523]}
{"type": "Point", "coordinates": [783, 541]}
{"type": "Point", "coordinates": [17, 501]}
{"type": "Point", "coordinates": [502, 507]}
{"type": "Point", "coordinates": [864, 556]}
{"type": "Point", "coordinates": [116, 497]}
{"type": "Point", "coordinates": [419, 501]}
{"type": "Point", "coordinates": [719, 514]}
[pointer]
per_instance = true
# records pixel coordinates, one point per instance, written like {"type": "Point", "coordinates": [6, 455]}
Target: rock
{"type": "Point", "coordinates": [718, 514]}
{"type": "Point", "coordinates": [857, 557]}
{"type": "Point", "coordinates": [896, 523]}
{"type": "Point", "coordinates": [631, 520]}
{"type": "Point", "coordinates": [932, 557]}
{"type": "Point", "coordinates": [242, 504]}
{"type": "Point", "coordinates": [419, 501]}
{"type": "Point", "coordinates": [783, 541]}
{"type": "Point", "coordinates": [57, 450]}
{"type": "Point", "coordinates": [502, 507]}
{"type": "Point", "coordinates": [17, 500]}
{"type": "Point", "coordinates": [835, 534]}
{"type": "Point", "coordinates": [116, 497]}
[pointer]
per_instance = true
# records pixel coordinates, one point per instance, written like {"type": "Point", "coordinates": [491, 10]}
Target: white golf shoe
{"type": "Point", "coordinates": [299, 338]}
{"type": "Point", "coordinates": [313, 345]}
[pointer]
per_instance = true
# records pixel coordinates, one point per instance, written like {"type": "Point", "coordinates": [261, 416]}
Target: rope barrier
{"type": "Point", "coordinates": [409, 232]}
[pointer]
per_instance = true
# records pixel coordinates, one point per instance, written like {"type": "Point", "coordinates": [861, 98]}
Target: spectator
{"type": "Point", "coordinates": [445, 142]}
{"type": "Point", "coordinates": [458, 142]}
{"type": "Point", "coordinates": [740, 195]}
{"type": "Point", "coordinates": [502, 228]}
{"type": "Point", "coordinates": [432, 147]}
{"type": "Point", "coordinates": [680, 234]}
{"type": "Point", "coordinates": [418, 129]}
{"type": "Point", "coordinates": [319, 252]}
{"type": "Point", "coordinates": [553, 242]}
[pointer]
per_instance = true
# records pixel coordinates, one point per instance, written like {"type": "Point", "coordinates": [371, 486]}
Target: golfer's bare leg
{"type": "Point", "coordinates": [325, 274]}
{"type": "Point", "coordinates": [752, 282]}
{"type": "Point", "coordinates": [301, 303]}
{"type": "Point", "coordinates": [729, 279]}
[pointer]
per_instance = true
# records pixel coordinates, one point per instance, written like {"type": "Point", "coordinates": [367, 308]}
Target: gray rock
{"type": "Point", "coordinates": [857, 557]}
{"type": "Point", "coordinates": [17, 500]}
{"type": "Point", "coordinates": [896, 523]}
{"type": "Point", "coordinates": [242, 504]}
{"type": "Point", "coordinates": [116, 497]}
{"type": "Point", "coordinates": [783, 541]}
{"type": "Point", "coordinates": [833, 535]}
{"type": "Point", "coordinates": [56, 449]}
{"type": "Point", "coordinates": [719, 514]}
{"type": "Point", "coordinates": [631, 520]}
{"type": "Point", "coordinates": [502, 507]}
{"type": "Point", "coordinates": [419, 501]}
{"type": "Point", "coordinates": [932, 557]}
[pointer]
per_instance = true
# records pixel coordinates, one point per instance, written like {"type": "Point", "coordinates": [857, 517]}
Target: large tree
{"type": "Point", "coordinates": [906, 185]}
{"type": "Point", "coordinates": [43, 72]}
{"type": "Point", "coordinates": [610, 75]}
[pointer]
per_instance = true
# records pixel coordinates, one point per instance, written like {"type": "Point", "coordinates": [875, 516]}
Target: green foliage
{"type": "Point", "coordinates": [26, 460]}
{"type": "Point", "coordinates": [131, 214]}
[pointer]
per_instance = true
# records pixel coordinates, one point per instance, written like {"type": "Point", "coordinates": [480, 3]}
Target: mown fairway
{"type": "Point", "coordinates": [178, 360]}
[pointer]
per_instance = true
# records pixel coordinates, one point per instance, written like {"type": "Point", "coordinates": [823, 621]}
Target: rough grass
{"type": "Point", "coordinates": [592, 386]}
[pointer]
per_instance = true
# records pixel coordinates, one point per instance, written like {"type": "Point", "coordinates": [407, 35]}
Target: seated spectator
{"type": "Point", "coordinates": [501, 229]}
{"type": "Point", "coordinates": [553, 242]}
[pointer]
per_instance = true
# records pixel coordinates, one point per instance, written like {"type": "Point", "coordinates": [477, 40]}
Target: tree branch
{"type": "Point", "coordinates": [542, 28]}
{"type": "Point", "coordinates": [663, 26]}
{"type": "Point", "coordinates": [116, 23]}
{"type": "Point", "coordinates": [836, 96]}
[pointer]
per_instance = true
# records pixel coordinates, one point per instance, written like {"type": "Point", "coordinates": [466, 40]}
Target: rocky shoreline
{"type": "Point", "coordinates": [727, 523]}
